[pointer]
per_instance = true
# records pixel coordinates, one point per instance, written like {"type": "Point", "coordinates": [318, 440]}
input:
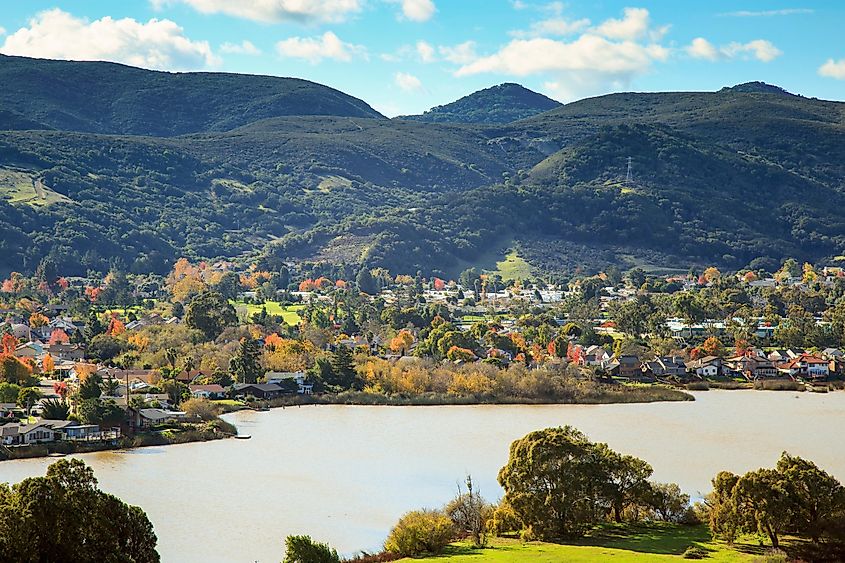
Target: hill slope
{"type": "Point", "coordinates": [499, 104]}
{"type": "Point", "coordinates": [100, 97]}
{"type": "Point", "coordinates": [745, 175]}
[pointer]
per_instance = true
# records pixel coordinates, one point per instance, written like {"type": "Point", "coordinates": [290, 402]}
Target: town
{"type": "Point", "coordinates": [103, 359]}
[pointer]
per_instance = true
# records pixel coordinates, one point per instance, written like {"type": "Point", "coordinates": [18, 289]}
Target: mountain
{"type": "Point", "coordinates": [747, 175]}
{"type": "Point", "coordinates": [499, 104]}
{"type": "Point", "coordinates": [110, 98]}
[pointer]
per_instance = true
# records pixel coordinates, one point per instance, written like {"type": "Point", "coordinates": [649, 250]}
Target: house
{"type": "Point", "coordinates": [665, 366]}
{"type": "Point", "coordinates": [31, 349]}
{"type": "Point", "coordinates": [69, 352]}
{"type": "Point", "coordinates": [37, 433]}
{"type": "Point", "coordinates": [188, 377]}
{"type": "Point", "coordinates": [147, 418]}
{"type": "Point", "coordinates": [72, 430]}
{"type": "Point", "coordinates": [280, 377]}
{"type": "Point", "coordinates": [708, 366]}
{"type": "Point", "coordinates": [213, 391]}
{"type": "Point", "coordinates": [751, 367]}
{"type": "Point", "coordinates": [258, 390]}
{"type": "Point", "coordinates": [806, 366]}
{"type": "Point", "coordinates": [626, 365]}
{"type": "Point", "coordinates": [595, 356]}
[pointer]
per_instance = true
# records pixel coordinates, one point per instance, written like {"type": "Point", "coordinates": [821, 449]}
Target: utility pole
{"type": "Point", "coordinates": [628, 177]}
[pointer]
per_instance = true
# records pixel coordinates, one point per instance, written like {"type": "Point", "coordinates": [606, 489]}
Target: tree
{"type": "Point", "coordinates": [552, 480]}
{"type": "Point", "coordinates": [402, 342]}
{"type": "Point", "coordinates": [48, 364]}
{"type": "Point", "coordinates": [667, 500]}
{"type": "Point", "coordinates": [365, 281]}
{"type": "Point", "coordinates": [104, 347]}
{"type": "Point", "coordinates": [27, 397]}
{"type": "Point", "coordinates": [55, 409]}
{"type": "Point", "coordinates": [625, 480]}
{"type": "Point", "coordinates": [470, 513]}
{"type": "Point", "coordinates": [9, 392]}
{"type": "Point", "coordinates": [343, 369]}
{"type": "Point", "coordinates": [762, 498]}
{"type": "Point", "coordinates": [93, 326]}
{"type": "Point", "coordinates": [176, 390]}
{"type": "Point", "coordinates": [210, 313]}
{"type": "Point", "coordinates": [713, 347]}
{"type": "Point", "coordinates": [90, 387]}
{"type": "Point", "coordinates": [815, 496]}
{"type": "Point", "coordinates": [65, 517]}
{"type": "Point", "coordinates": [102, 413]}
{"type": "Point", "coordinates": [245, 365]}
{"type": "Point", "coordinates": [302, 549]}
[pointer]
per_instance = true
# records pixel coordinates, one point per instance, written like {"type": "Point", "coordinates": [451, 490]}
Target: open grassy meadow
{"type": "Point", "coordinates": [290, 313]}
{"type": "Point", "coordinates": [622, 544]}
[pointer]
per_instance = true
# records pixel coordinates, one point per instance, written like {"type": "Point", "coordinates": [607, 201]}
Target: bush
{"type": "Point", "coordinates": [302, 549]}
{"type": "Point", "coordinates": [695, 552]}
{"type": "Point", "coordinates": [773, 556]}
{"type": "Point", "coordinates": [201, 409]}
{"type": "Point", "coordinates": [420, 532]}
{"type": "Point", "coordinates": [504, 520]}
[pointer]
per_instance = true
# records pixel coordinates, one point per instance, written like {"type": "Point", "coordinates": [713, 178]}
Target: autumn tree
{"type": "Point", "coordinates": [58, 336]}
{"type": "Point", "coordinates": [48, 364]}
{"type": "Point", "coordinates": [402, 342]}
{"type": "Point", "coordinates": [712, 346]}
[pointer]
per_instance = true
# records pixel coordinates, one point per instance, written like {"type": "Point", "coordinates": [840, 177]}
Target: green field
{"type": "Point", "coordinates": [18, 188]}
{"type": "Point", "coordinates": [290, 313]}
{"type": "Point", "coordinates": [657, 542]}
{"type": "Point", "coordinates": [513, 267]}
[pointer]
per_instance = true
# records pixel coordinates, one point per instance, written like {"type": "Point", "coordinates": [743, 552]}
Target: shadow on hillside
{"type": "Point", "coordinates": [658, 539]}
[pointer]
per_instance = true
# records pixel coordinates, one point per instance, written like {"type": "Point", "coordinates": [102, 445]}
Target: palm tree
{"type": "Point", "coordinates": [55, 409]}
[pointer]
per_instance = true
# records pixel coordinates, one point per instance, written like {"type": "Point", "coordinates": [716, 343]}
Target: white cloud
{"type": "Point", "coordinates": [315, 49]}
{"type": "Point", "coordinates": [243, 48]}
{"type": "Point", "coordinates": [408, 82]}
{"type": "Point", "coordinates": [700, 48]}
{"type": "Point", "coordinates": [2, 31]}
{"type": "Point", "coordinates": [426, 52]}
{"type": "Point", "coordinates": [158, 44]}
{"type": "Point", "coordinates": [461, 54]}
{"type": "Point", "coordinates": [274, 10]}
{"type": "Point", "coordinates": [607, 56]}
{"type": "Point", "coordinates": [833, 69]}
{"type": "Point", "coordinates": [553, 26]}
{"type": "Point", "coordinates": [418, 10]}
{"type": "Point", "coordinates": [631, 27]}
{"type": "Point", "coordinates": [769, 13]}
{"type": "Point", "coordinates": [760, 49]}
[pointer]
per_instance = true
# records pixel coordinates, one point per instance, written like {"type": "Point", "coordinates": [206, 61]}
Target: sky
{"type": "Point", "coordinates": [406, 56]}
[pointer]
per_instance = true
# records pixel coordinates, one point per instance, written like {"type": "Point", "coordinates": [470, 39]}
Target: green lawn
{"type": "Point", "coordinates": [290, 313]}
{"type": "Point", "coordinates": [658, 542]}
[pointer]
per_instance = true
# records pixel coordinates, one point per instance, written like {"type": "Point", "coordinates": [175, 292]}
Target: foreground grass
{"type": "Point", "coordinates": [622, 543]}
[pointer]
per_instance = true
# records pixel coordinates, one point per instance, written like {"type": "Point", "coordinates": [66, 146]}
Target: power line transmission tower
{"type": "Point", "coordinates": [628, 176]}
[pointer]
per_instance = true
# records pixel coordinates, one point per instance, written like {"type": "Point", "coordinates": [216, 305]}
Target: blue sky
{"type": "Point", "coordinates": [405, 56]}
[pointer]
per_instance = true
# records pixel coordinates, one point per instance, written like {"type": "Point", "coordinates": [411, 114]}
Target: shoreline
{"type": "Point", "coordinates": [218, 430]}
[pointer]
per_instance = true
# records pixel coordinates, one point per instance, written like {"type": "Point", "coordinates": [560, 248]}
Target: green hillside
{"type": "Point", "coordinates": [99, 97]}
{"type": "Point", "coordinates": [498, 104]}
{"type": "Point", "coordinates": [749, 174]}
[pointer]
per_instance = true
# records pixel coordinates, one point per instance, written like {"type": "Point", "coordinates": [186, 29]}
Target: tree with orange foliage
{"type": "Point", "coordinates": [340, 284]}
{"type": "Point", "coordinates": [749, 277]}
{"type": "Point", "coordinates": [10, 343]}
{"type": "Point", "coordinates": [37, 319]}
{"type": "Point", "coordinates": [12, 370]}
{"type": "Point", "coordinates": [272, 341]}
{"type": "Point", "coordinates": [741, 347]}
{"type": "Point", "coordinates": [307, 285]}
{"type": "Point", "coordinates": [84, 371]}
{"type": "Point", "coordinates": [439, 285]}
{"type": "Point", "coordinates": [713, 347]}
{"type": "Point", "coordinates": [402, 342]}
{"type": "Point", "coordinates": [322, 282]}
{"type": "Point", "coordinates": [93, 292]}
{"type": "Point", "coordinates": [139, 341]}
{"type": "Point", "coordinates": [58, 336]}
{"type": "Point", "coordinates": [116, 326]}
{"type": "Point", "coordinates": [456, 353]}
{"type": "Point", "coordinates": [48, 364]}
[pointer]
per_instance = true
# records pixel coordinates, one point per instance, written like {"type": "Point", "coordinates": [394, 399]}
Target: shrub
{"type": "Point", "coordinates": [504, 520]}
{"type": "Point", "coordinates": [302, 549]}
{"type": "Point", "coordinates": [773, 556]}
{"type": "Point", "coordinates": [419, 532]}
{"type": "Point", "coordinates": [695, 552]}
{"type": "Point", "coordinates": [201, 409]}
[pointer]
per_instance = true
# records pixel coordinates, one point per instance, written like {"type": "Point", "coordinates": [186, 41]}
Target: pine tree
{"type": "Point", "coordinates": [343, 369]}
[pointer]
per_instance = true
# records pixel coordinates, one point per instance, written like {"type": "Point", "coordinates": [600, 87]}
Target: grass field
{"type": "Point", "coordinates": [17, 188]}
{"type": "Point", "coordinates": [290, 313]}
{"type": "Point", "coordinates": [622, 544]}
{"type": "Point", "coordinates": [513, 267]}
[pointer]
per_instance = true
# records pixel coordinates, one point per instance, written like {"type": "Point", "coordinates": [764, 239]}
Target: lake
{"type": "Point", "coordinates": [345, 474]}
